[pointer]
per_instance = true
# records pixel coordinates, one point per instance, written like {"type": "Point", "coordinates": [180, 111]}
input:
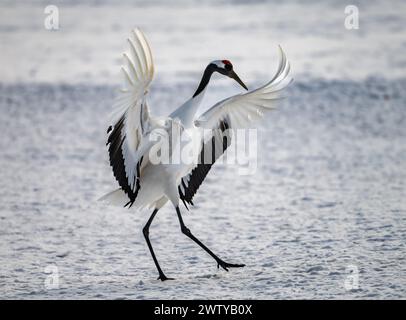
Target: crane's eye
{"type": "Point", "coordinates": [227, 65]}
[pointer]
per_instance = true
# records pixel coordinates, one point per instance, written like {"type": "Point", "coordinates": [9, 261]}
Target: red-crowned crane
{"type": "Point", "coordinates": [144, 183]}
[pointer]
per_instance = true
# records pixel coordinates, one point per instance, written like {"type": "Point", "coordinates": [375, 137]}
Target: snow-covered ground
{"type": "Point", "coordinates": [329, 192]}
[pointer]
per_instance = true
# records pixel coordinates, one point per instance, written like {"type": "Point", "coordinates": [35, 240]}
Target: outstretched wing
{"type": "Point", "coordinates": [238, 111]}
{"type": "Point", "coordinates": [242, 109]}
{"type": "Point", "coordinates": [131, 119]}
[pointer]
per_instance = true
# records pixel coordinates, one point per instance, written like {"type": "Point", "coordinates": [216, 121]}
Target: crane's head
{"type": "Point", "coordinates": [226, 68]}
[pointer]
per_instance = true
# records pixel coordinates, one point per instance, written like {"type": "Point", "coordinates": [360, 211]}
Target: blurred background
{"type": "Point", "coordinates": [324, 216]}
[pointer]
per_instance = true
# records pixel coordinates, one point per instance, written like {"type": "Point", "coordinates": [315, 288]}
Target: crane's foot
{"type": "Point", "coordinates": [163, 277]}
{"type": "Point", "coordinates": [226, 265]}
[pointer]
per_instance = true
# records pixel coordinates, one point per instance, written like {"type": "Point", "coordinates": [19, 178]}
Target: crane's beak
{"type": "Point", "coordinates": [234, 76]}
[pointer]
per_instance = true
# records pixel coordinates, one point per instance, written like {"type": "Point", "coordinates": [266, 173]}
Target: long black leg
{"type": "Point", "coordinates": [145, 231]}
{"type": "Point", "coordinates": [220, 263]}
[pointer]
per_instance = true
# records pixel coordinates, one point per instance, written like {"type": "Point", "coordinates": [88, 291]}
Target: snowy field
{"type": "Point", "coordinates": [329, 192]}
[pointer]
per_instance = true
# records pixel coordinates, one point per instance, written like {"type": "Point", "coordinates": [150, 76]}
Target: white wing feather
{"type": "Point", "coordinates": [138, 72]}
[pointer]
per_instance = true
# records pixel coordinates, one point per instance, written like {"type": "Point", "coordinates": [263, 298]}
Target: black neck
{"type": "Point", "coordinates": [205, 79]}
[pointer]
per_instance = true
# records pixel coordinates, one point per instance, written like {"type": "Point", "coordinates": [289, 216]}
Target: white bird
{"type": "Point", "coordinates": [143, 183]}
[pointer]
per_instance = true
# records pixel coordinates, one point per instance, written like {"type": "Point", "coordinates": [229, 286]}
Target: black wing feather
{"type": "Point", "coordinates": [199, 173]}
{"type": "Point", "coordinates": [114, 143]}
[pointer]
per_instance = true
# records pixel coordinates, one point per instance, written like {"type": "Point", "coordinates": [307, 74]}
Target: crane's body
{"type": "Point", "coordinates": [145, 183]}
